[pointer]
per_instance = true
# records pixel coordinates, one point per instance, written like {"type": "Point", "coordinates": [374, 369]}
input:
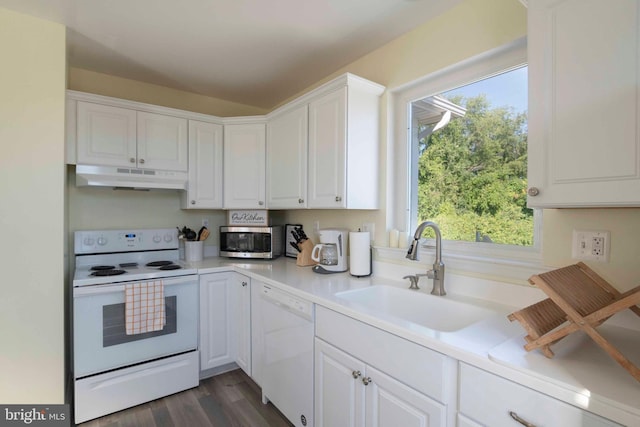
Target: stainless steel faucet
{"type": "Point", "coordinates": [437, 273]}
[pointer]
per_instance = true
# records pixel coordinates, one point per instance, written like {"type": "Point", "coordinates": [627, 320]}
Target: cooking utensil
{"type": "Point", "coordinates": [204, 234]}
{"type": "Point", "coordinates": [187, 233]}
{"type": "Point", "coordinates": [200, 232]}
{"type": "Point", "coordinates": [295, 246]}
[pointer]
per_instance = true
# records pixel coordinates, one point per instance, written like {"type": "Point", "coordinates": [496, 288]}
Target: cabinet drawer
{"type": "Point", "coordinates": [427, 371]}
{"type": "Point", "coordinates": [489, 400]}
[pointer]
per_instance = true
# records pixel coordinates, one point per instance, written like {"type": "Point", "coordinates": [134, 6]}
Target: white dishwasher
{"type": "Point", "coordinates": [287, 376]}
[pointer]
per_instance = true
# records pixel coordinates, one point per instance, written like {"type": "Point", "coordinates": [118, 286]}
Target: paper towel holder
{"type": "Point", "coordinates": [360, 271]}
{"type": "Point", "coordinates": [370, 266]}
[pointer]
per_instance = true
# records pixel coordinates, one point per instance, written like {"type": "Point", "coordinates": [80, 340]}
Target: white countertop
{"type": "Point", "coordinates": [580, 374]}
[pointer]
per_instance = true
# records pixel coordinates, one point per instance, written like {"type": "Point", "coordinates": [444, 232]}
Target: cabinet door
{"type": "Point", "coordinates": [162, 142]}
{"type": "Point", "coordinates": [244, 166]}
{"type": "Point", "coordinates": [257, 333]}
{"type": "Point", "coordinates": [242, 321]}
{"type": "Point", "coordinates": [105, 135]}
{"type": "Point", "coordinates": [287, 160]}
{"type": "Point", "coordinates": [390, 403]}
{"type": "Point", "coordinates": [327, 150]}
{"type": "Point", "coordinates": [204, 190]}
{"type": "Point", "coordinates": [217, 339]}
{"type": "Point", "coordinates": [584, 144]}
{"type": "Point", "coordinates": [339, 392]}
{"type": "Point", "coordinates": [492, 401]}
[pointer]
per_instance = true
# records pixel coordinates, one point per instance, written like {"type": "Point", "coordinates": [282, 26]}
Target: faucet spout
{"type": "Point", "coordinates": [437, 273]}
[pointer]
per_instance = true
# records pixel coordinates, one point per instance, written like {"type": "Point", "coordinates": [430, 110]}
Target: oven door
{"type": "Point", "coordinates": [100, 340]}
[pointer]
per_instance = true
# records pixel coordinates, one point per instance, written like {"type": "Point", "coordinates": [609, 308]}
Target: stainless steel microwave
{"type": "Point", "coordinates": [251, 242]}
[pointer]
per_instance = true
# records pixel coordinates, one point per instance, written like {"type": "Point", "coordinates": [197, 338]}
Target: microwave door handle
{"type": "Point", "coordinates": [340, 243]}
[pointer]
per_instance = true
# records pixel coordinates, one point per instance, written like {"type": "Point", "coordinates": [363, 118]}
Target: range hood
{"type": "Point", "coordinates": [121, 177]}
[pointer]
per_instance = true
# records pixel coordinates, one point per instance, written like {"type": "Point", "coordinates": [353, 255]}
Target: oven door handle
{"type": "Point", "coordinates": [120, 287]}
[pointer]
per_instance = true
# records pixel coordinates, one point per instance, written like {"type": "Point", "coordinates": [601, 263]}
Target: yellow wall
{"type": "Point", "coordinates": [32, 88]}
{"type": "Point", "coordinates": [118, 87]}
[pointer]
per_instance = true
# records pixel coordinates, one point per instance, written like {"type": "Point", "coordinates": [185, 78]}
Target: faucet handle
{"type": "Point", "coordinates": [413, 280]}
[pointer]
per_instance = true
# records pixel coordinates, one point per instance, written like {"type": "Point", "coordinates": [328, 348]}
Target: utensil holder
{"type": "Point", "coordinates": [304, 257]}
{"type": "Point", "coordinates": [193, 250]}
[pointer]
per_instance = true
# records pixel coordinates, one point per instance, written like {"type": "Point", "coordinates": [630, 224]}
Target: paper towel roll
{"type": "Point", "coordinates": [359, 253]}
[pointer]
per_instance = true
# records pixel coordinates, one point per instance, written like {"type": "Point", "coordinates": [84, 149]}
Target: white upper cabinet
{"type": "Point", "coordinates": [584, 143]}
{"type": "Point", "coordinates": [327, 149]}
{"type": "Point", "coordinates": [115, 136]}
{"type": "Point", "coordinates": [244, 166]}
{"type": "Point", "coordinates": [204, 189]}
{"type": "Point", "coordinates": [287, 159]}
{"type": "Point", "coordinates": [106, 135]}
{"type": "Point", "coordinates": [162, 142]}
{"type": "Point", "coordinates": [343, 146]}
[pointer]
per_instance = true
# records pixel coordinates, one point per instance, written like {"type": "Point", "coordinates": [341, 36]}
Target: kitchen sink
{"type": "Point", "coordinates": [434, 312]}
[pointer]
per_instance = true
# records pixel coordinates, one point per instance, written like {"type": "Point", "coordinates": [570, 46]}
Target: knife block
{"type": "Point", "coordinates": [304, 257]}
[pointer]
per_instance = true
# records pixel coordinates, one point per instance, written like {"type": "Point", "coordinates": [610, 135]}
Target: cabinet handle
{"type": "Point", "coordinates": [366, 380]}
{"type": "Point", "coordinates": [132, 160]}
{"type": "Point", "coordinates": [355, 374]}
{"type": "Point", "coordinates": [141, 161]}
{"type": "Point", "coordinates": [260, 203]}
{"type": "Point", "coordinates": [338, 199]}
{"type": "Point", "coordinates": [300, 200]}
{"type": "Point", "coordinates": [533, 191]}
{"type": "Point", "coordinates": [520, 420]}
{"type": "Point", "coordinates": [193, 202]}
{"type": "Point", "coordinates": [244, 283]}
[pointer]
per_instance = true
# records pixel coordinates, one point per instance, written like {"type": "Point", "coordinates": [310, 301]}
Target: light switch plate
{"type": "Point", "coordinates": [591, 245]}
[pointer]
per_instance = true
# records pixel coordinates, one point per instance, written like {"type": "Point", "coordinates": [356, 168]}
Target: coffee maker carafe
{"type": "Point", "coordinates": [331, 252]}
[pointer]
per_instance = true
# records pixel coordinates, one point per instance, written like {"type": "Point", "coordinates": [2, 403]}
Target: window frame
{"type": "Point", "coordinates": [402, 175]}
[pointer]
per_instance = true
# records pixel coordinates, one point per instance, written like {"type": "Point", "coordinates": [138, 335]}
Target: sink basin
{"type": "Point", "coordinates": [434, 312]}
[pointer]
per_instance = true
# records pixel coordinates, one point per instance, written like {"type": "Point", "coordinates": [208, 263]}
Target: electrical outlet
{"type": "Point", "coordinates": [205, 222]}
{"type": "Point", "coordinates": [591, 245]}
{"type": "Point", "coordinates": [316, 226]}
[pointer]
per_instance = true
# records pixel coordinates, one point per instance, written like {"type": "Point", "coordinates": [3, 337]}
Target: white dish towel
{"type": "Point", "coordinates": [144, 307]}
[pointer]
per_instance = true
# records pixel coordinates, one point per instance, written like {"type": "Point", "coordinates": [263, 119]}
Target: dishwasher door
{"type": "Point", "coordinates": [287, 376]}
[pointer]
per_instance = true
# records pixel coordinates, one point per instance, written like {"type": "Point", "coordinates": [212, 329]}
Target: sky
{"type": "Point", "coordinates": [509, 88]}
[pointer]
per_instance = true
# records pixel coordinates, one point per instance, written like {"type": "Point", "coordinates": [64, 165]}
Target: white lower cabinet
{"type": "Point", "coordinates": [257, 333]}
{"type": "Point", "coordinates": [349, 392]}
{"type": "Point", "coordinates": [367, 377]}
{"type": "Point", "coordinates": [491, 401]}
{"type": "Point", "coordinates": [225, 321]}
{"type": "Point", "coordinates": [242, 322]}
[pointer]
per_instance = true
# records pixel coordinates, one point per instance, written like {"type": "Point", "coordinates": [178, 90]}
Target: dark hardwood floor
{"type": "Point", "coordinates": [229, 399]}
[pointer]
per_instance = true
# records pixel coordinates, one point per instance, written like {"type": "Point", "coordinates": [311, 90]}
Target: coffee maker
{"type": "Point", "coordinates": [331, 252]}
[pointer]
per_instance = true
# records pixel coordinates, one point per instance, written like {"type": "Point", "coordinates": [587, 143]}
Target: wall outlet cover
{"type": "Point", "coordinates": [591, 245]}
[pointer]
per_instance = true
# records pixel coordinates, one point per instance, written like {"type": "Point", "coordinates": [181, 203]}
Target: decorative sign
{"type": "Point", "coordinates": [250, 217]}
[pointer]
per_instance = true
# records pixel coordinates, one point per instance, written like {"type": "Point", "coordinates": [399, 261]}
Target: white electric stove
{"type": "Point", "coordinates": [113, 370]}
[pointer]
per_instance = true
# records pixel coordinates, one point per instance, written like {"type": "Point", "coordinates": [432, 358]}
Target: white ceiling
{"type": "Point", "coordinates": [255, 52]}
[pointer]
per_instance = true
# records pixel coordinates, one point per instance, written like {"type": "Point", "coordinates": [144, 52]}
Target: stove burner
{"type": "Point", "coordinates": [102, 267]}
{"type": "Point", "coordinates": [170, 267]}
{"type": "Point", "coordinates": [158, 263]}
{"type": "Point", "coordinates": [110, 272]}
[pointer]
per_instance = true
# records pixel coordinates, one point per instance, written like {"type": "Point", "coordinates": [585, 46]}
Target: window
{"type": "Point", "coordinates": [459, 159]}
{"type": "Point", "coordinates": [469, 161]}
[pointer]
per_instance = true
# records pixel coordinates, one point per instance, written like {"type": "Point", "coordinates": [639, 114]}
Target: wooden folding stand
{"type": "Point", "coordinates": [579, 299]}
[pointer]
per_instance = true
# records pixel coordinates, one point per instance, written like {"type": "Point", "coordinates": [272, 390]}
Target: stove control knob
{"type": "Point", "coordinates": [168, 237]}
{"type": "Point", "coordinates": [102, 241]}
{"type": "Point", "coordinates": [88, 241]}
{"type": "Point", "coordinates": [157, 238]}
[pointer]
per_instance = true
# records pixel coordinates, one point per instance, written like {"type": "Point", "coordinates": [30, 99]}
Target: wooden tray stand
{"type": "Point", "coordinates": [579, 299]}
